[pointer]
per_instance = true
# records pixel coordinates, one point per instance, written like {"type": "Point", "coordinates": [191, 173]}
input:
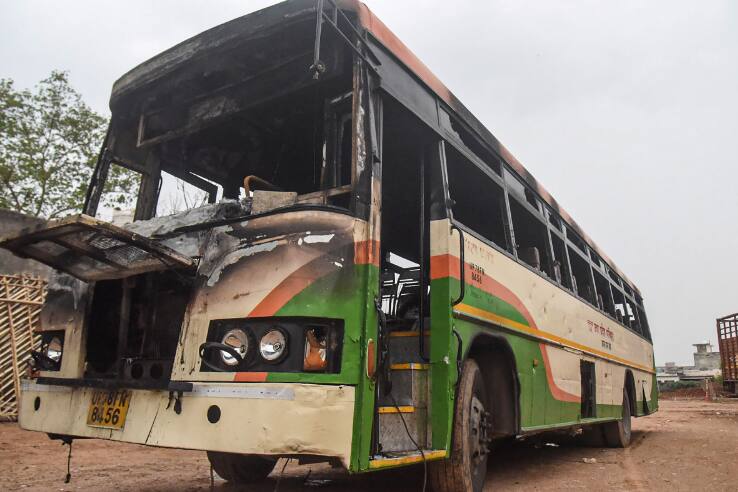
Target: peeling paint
{"type": "Point", "coordinates": [321, 238]}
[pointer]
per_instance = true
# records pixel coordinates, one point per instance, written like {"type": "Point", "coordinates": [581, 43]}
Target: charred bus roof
{"type": "Point", "coordinates": [202, 52]}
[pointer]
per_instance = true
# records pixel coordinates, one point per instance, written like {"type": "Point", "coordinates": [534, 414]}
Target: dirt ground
{"type": "Point", "coordinates": [688, 445]}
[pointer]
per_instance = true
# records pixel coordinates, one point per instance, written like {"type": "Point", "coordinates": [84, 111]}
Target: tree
{"type": "Point", "coordinates": [49, 143]}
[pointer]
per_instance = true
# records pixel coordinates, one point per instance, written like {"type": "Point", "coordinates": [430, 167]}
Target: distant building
{"type": "Point", "coordinates": [706, 366]}
{"type": "Point", "coordinates": [704, 358]}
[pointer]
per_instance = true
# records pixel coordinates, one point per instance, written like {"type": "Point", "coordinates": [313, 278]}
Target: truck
{"type": "Point", "coordinates": [727, 334]}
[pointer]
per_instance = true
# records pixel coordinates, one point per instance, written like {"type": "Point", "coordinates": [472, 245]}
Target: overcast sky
{"type": "Point", "coordinates": [626, 111]}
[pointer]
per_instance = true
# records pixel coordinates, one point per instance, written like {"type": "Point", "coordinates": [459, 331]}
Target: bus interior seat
{"type": "Point", "coordinates": [531, 256]}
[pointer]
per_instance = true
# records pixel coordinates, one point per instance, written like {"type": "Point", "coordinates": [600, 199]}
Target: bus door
{"type": "Point", "coordinates": [409, 154]}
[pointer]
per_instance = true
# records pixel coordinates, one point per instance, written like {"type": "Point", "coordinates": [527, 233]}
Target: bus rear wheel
{"type": "Point", "coordinates": [617, 434]}
{"type": "Point", "coordinates": [466, 469]}
{"type": "Point", "coordinates": [241, 468]}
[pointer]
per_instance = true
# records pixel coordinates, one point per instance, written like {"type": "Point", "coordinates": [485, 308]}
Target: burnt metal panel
{"type": "Point", "coordinates": [91, 249]}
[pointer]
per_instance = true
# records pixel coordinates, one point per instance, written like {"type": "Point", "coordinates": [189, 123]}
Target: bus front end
{"type": "Point", "coordinates": [235, 313]}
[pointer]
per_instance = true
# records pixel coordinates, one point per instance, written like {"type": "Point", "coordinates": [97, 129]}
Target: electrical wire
{"type": "Point", "coordinates": [420, 450]}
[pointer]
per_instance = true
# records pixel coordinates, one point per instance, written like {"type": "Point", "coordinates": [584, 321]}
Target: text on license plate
{"type": "Point", "coordinates": [108, 409]}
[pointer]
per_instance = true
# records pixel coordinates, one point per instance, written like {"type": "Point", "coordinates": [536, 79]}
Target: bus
{"type": "Point", "coordinates": [357, 271]}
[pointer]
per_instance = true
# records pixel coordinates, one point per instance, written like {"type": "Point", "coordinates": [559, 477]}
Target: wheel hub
{"type": "Point", "coordinates": [480, 426]}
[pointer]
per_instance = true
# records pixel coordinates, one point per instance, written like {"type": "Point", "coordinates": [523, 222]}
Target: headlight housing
{"type": "Point", "coordinates": [238, 339]}
{"type": "Point", "coordinates": [49, 356]}
{"type": "Point", "coordinates": [295, 344]}
{"type": "Point", "coordinates": [273, 345]}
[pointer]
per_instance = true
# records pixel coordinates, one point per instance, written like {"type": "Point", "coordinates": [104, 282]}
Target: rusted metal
{"type": "Point", "coordinates": [727, 333]}
{"type": "Point", "coordinates": [249, 183]}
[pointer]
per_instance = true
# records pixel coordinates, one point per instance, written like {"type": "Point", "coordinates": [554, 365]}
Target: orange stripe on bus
{"type": "Point", "coordinates": [447, 265]}
{"type": "Point", "coordinates": [295, 283]}
{"type": "Point", "coordinates": [366, 252]}
{"type": "Point", "coordinates": [250, 377]}
{"type": "Point", "coordinates": [557, 392]}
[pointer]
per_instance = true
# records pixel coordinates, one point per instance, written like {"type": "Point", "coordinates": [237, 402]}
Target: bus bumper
{"type": "Point", "coordinates": [263, 418]}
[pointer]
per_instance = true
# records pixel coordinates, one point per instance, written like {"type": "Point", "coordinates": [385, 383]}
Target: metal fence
{"type": "Point", "coordinates": [21, 299]}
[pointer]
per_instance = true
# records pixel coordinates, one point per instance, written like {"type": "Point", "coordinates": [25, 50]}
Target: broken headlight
{"type": "Point", "coordinates": [315, 350]}
{"type": "Point", "coordinates": [238, 340]}
{"type": "Point", "coordinates": [49, 357]}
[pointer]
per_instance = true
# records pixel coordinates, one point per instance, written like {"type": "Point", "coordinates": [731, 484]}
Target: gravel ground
{"type": "Point", "coordinates": [688, 445]}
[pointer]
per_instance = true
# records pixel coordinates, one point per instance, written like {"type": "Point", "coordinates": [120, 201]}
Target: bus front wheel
{"type": "Point", "coordinates": [241, 468]}
{"type": "Point", "coordinates": [617, 434]}
{"type": "Point", "coordinates": [466, 469]}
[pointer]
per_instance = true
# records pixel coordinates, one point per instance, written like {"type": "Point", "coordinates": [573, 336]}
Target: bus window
{"type": "Point", "coordinates": [614, 276]}
{"type": "Point", "coordinates": [177, 195]}
{"type": "Point", "coordinates": [479, 201]}
{"type": "Point", "coordinates": [119, 194]}
{"type": "Point", "coordinates": [630, 315]}
{"type": "Point", "coordinates": [516, 187]}
{"type": "Point", "coordinates": [531, 238]}
{"type": "Point", "coordinates": [457, 129]}
{"type": "Point", "coordinates": [561, 265]}
{"type": "Point", "coordinates": [337, 171]}
{"type": "Point", "coordinates": [581, 272]}
{"type": "Point", "coordinates": [619, 301]}
{"type": "Point", "coordinates": [644, 323]}
{"type": "Point", "coordinates": [554, 220]}
{"type": "Point", "coordinates": [604, 296]}
{"type": "Point", "coordinates": [576, 240]}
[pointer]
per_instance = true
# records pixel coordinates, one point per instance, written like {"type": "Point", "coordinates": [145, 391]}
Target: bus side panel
{"type": "Point", "coordinates": [550, 331]}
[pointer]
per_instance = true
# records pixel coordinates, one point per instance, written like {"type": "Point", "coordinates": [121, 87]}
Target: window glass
{"type": "Point", "coordinates": [479, 201]}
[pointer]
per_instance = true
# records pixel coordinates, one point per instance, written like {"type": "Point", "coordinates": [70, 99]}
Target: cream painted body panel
{"type": "Point", "coordinates": [563, 322]}
{"type": "Point", "coordinates": [264, 418]}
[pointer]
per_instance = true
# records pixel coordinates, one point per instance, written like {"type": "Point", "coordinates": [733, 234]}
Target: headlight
{"type": "Point", "coordinates": [315, 350]}
{"type": "Point", "coordinates": [54, 349]}
{"type": "Point", "coordinates": [239, 340]}
{"type": "Point", "coordinates": [273, 345]}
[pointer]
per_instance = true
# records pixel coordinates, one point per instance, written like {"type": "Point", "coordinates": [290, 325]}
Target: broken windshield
{"type": "Point", "coordinates": [246, 118]}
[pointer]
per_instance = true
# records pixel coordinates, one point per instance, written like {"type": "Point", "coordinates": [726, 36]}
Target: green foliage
{"type": "Point", "coordinates": [49, 143]}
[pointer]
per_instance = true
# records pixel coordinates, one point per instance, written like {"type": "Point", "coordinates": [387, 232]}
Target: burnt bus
{"type": "Point", "coordinates": [370, 279]}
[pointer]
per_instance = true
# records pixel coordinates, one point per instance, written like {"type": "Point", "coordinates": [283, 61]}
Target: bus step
{"type": "Point", "coordinates": [404, 347]}
{"type": "Point", "coordinates": [406, 458]}
{"type": "Point", "coordinates": [409, 385]}
{"type": "Point", "coordinates": [393, 434]}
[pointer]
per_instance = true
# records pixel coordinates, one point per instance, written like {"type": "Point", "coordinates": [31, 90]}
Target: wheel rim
{"type": "Point", "coordinates": [479, 424]}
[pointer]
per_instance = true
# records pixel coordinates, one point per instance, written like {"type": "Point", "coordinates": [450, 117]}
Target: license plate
{"type": "Point", "coordinates": [108, 409]}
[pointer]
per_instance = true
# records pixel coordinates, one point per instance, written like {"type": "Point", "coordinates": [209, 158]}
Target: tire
{"type": "Point", "coordinates": [617, 434]}
{"type": "Point", "coordinates": [466, 469]}
{"type": "Point", "coordinates": [241, 468]}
